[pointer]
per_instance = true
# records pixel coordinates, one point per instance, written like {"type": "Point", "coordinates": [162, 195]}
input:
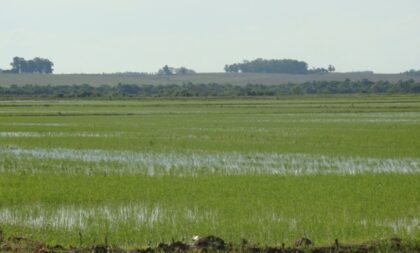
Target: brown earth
{"type": "Point", "coordinates": [215, 244]}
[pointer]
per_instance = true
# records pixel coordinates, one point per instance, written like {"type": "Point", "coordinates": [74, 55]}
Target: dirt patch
{"type": "Point", "coordinates": [215, 244]}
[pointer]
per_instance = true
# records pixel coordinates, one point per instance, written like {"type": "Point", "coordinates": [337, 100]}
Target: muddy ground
{"type": "Point", "coordinates": [215, 244]}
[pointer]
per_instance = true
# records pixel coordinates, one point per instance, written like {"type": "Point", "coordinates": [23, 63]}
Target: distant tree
{"type": "Point", "coordinates": [182, 71]}
{"type": "Point", "coordinates": [331, 68]}
{"type": "Point", "coordinates": [413, 72]}
{"type": "Point", "coordinates": [234, 68]}
{"type": "Point", "coordinates": [18, 65]}
{"type": "Point", "coordinates": [318, 71]}
{"type": "Point", "coordinates": [269, 66]}
{"type": "Point", "coordinates": [226, 68]}
{"type": "Point", "coordinates": [166, 70]}
{"type": "Point", "coordinates": [30, 67]}
{"type": "Point", "coordinates": [37, 65]}
{"type": "Point", "coordinates": [43, 65]}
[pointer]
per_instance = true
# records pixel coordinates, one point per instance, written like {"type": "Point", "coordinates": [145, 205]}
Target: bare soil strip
{"type": "Point", "coordinates": [215, 244]}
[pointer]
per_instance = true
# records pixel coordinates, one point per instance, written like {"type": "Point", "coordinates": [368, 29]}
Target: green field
{"type": "Point", "coordinates": [269, 170]}
{"type": "Point", "coordinates": [202, 78]}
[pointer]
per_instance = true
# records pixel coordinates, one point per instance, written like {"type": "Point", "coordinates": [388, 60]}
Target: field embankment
{"type": "Point", "coordinates": [220, 78]}
{"type": "Point", "coordinates": [215, 244]}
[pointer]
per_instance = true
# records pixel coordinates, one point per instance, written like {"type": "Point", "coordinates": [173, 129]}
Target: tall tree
{"type": "Point", "coordinates": [331, 68]}
{"type": "Point", "coordinates": [18, 65]}
{"type": "Point", "coordinates": [36, 65]}
{"type": "Point", "coordinates": [167, 70]}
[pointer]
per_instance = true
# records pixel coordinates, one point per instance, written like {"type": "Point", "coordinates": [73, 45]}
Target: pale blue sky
{"type": "Point", "coordinates": [143, 35]}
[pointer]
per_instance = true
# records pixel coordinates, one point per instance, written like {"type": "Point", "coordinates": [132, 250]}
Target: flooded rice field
{"type": "Point", "coordinates": [271, 171]}
{"type": "Point", "coordinates": [194, 164]}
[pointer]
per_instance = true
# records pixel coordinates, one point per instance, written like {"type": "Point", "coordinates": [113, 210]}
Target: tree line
{"type": "Point", "coordinates": [281, 66]}
{"type": "Point", "coordinates": [36, 65]}
{"type": "Point", "coordinates": [413, 72]}
{"type": "Point", "coordinates": [209, 90]}
{"type": "Point", "coordinates": [284, 66]}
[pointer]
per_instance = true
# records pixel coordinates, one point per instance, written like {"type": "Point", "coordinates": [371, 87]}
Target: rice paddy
{"type": "Point", "coordinates": [269, 170]}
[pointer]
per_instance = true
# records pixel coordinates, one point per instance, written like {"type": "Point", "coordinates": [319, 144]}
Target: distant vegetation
{"type": "Point", "coordinates": [413, 72]}
{"type": "Point", "coordinates": [36, 65]}
{"type": "Point", "coordinates": [210, 89]}
{"type": "Point", "coordinates": [285, 66]}
{"type": "Point", "coordinates": [166, 70]}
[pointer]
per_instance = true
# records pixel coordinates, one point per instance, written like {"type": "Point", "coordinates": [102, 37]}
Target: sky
{"type": "Point", "coordinates": [97, 36]}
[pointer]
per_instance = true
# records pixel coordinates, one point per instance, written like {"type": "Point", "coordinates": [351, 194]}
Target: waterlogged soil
{"type": "Point", "coordinates": [215, 244]}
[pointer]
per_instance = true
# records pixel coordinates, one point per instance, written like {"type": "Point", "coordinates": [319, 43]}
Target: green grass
{"type": "Point", "coordinates": [264, 209]}
{"type": "Point", "coordinates": [154, 170]}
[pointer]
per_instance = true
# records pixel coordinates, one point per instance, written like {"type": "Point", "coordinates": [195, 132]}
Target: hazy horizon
{"type": "Point", "coordinates": [141, 36]}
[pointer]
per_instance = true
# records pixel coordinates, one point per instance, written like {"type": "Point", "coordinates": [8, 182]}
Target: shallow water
{"type": "Point", "coordinates": [190, 164]}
